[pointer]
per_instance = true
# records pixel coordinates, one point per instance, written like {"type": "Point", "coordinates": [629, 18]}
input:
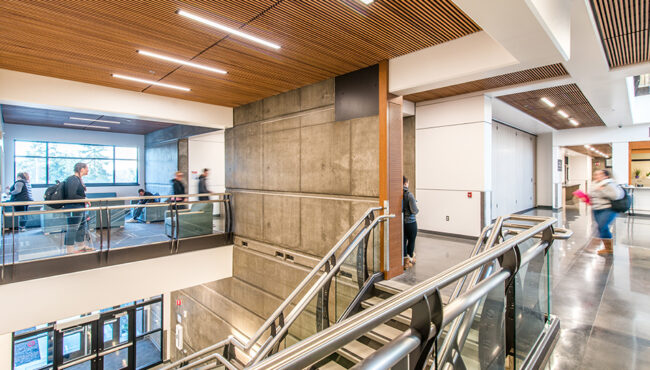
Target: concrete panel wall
{"type": "Point", "coordinates": [299, 180]}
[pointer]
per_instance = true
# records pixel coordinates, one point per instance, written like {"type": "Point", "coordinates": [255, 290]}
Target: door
{"type": "Point", "coordinates": [76, 345]}
{"type": "Point", "coordinates": [116, 344]}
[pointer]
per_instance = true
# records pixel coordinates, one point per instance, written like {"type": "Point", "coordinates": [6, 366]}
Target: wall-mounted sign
{"type": "Point", "coordinates": [559, 165]}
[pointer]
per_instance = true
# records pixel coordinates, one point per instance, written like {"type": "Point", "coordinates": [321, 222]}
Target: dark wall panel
{"type": "Point", "coordinates": [356, 94]}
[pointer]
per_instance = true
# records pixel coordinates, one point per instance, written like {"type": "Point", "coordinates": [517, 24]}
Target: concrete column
{"type": "Point", "coordinates": [454, 165]}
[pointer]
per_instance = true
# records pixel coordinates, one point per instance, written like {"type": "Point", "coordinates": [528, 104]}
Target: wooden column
{"type": "Point", "coordinates": [390, 172]}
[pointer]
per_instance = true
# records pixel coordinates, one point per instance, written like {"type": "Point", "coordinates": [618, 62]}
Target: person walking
{"type": "Point", "coordinates": [203, 184]}
{"type": "Point", "coordinates": [21, 191]}
{"type": "Point", "coordinates": [178, 188]}
{"type": "Point", "coordinates": [74, 188]}
{"type": "Point", "coordinates": [409, 209]}
{"type": "Point", "coordinates": [604, 192]}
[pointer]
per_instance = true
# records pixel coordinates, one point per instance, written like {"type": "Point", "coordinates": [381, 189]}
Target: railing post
{"type": "Point", "coordinates": [425, 313]}
{"type": "Point", "coordinates": [510, 261]}
{"type": "Point", "coordinates": [362, 255]}
{"type": "Point", "coordinates": [386, 239]}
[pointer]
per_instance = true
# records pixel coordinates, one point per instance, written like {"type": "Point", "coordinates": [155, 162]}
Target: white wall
{"type": "Point", "coordinates": [579, 169]}
{"type": "Point", "coordinates": [207, 151]}
{"type": "Point", "coordinates": [544, 170]}
{"type": "Point", "coordinates": [453, 157]}
{"type": "Point", "coordinates": [513, 170]}
{"type": "Point", "coordinates": [36, 133]}
{"type": "Point", "coordinates": [26, 89]}
{"type": "Point", "coordinates": [40, 301]}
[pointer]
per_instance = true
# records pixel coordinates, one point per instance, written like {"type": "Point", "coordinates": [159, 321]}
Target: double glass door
{"type": "Point", "coordinates": [104, 343]}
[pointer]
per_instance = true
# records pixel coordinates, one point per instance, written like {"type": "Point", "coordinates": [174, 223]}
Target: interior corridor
{"type": "Point", "coordinates": [602, 301]}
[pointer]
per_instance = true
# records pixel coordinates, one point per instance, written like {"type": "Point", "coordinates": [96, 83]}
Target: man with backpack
{"type": "Point", "coordinates": [409, 209]}
{"type": "Point", "coordinates": [74, 188]}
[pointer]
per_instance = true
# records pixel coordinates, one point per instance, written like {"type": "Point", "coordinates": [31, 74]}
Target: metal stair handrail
{"type": "Point", "coordinates": [422, 298]}
{"type": "Point", "coordinates": [268, 345]}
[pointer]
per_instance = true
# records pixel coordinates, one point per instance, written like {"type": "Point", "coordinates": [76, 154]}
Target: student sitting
{"type": "Point", "coordinates": [138, 211]}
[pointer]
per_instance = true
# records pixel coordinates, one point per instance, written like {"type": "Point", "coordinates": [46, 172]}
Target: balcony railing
{"type": "Point", "coordinates": [98, 232]}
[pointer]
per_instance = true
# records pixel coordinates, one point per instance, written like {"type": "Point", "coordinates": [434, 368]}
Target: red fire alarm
{"type": "Point", "coordinates": [178, 302]}
{"type": "Point", "coordinates": [469, 194]}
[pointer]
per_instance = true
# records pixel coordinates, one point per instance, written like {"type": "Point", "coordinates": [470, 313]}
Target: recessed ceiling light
{"type": "Point", "coordinates": [367, 2]}
{"type": "Point", "coordinates": [562, 113]}
{"type": "Point", "coordinates": [95, 120]}
{"type": "Point", "coordinates": [587, 146]}
{"type": "Point", "coordinates": [179, 61]}
{"type": "Point", "coordinates": [547, 102]}
{"type": "Point", "coordinates": [574, 122]}
{"type": "Point", "coordinates": [149, 82]}
{"type": "Point", "coordinates": [86, 126]}
{"type": "Point", "coordinates": [227, 29]}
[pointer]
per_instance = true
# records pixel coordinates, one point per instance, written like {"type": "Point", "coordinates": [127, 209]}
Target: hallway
{"type": "Point", "coordinates": [602, 302]}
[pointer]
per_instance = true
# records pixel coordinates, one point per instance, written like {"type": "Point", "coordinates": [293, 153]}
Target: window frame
{"type": "Point", "coordinates": [94, 184]}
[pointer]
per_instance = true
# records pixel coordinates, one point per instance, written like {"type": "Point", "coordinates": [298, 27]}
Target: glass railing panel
{"type": "Point", "coordinates": [59, 232]}
{"type": "Point", "coordinates": [139, 224]}
{"type": "Point", "coordinates": [350, 278]}
{"type": "Point", "coordinates": [531, 302]}
{"type": "Point", "coordinates": [484, 347]}
{"type": "Point", "coordinates": [195, 219]}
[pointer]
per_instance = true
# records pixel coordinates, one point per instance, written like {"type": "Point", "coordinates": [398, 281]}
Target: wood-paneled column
{"type": "Point", "coordinates": [390, 173]}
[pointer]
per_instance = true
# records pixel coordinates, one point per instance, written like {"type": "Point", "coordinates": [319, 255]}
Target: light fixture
{"type": "Point", "coordinates": [227, 29]}
{"type": "Point", "coordinates": [95, 120]}
{"type": "Point", "coordinates": [149, 82]}
{"type": "Point", "coordinates": [562, 113]}
{"type": "Point", "coordinates": [179, 61]}
{"type": "Point", "coordinates": [587, 146]}
{"type": "Point", "coordinates": [547, 102]}
{"type": "Point", "coordinates": [86, 126]}
{"type": "Point", "coordinates": [574, 122]}
{"type": "Point", "coordinates": [367, 2]}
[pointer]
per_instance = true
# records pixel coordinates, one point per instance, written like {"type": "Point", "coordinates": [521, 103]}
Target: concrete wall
{"type": "Point", "coordinates": [299, 180]}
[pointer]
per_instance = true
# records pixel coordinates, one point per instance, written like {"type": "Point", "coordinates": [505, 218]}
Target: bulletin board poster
{"type": "Point", "coordinates": [31, 353]}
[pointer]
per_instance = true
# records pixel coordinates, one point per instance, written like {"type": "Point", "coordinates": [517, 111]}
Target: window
{"type": "Point", "coordinates": [47, 162]}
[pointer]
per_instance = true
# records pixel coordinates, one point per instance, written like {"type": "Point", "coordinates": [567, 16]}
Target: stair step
{"type": "Point", "coordinates": [384, 334]}
{"type": "Point", "coordinates": [404, 317]}
{"type": "Point", "coordinates": [355, 351]}
{"type": "Point", "coordinates": [332, 365]}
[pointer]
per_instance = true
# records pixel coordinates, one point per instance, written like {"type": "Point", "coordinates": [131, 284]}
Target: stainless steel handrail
{"type": "Point", "coordinates": [329, 340]}
{"type": "Point", "coordinates": [65, 201]}
{"type": "Point", "coordinates": [268, 344]}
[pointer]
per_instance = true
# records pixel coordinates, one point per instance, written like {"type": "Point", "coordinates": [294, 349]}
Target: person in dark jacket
{"type": "Point", "coordinates": [21, 191]}
{"type": "Point", "coordinates": [203, 184]}
{"type": "Point", "coordinates": [138, 211]}
{"type": "Point", "coordinates": [178, 188]}
{"type": "Point", "coordinates": [409, 209]}
{"type": "Point", "coordinates": [75, 189]}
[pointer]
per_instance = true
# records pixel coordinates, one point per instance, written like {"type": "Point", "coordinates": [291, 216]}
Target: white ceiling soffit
{"type": "Point", "coordinates": [639, 105]}
{"type": "Point", "coordinates": [512, 116]}
{"type": "Point", "coordinates": [555, 17]}
{"type": "Point", "coordinates": [18, 88]}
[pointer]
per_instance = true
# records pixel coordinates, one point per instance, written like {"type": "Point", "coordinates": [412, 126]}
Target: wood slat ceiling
{"type": "Point", "coordinates": [508, 79]}
{"type": "Point", "coordinates": [87, 41]}
{"type": "Point", "coordinates": [568, 98]}
{"type": "Point", "coordinates": [603, 148]}
{"type": "Point", "coordinates": [624, 27]}
{"type": "Point", "coordinates": [19, 115]}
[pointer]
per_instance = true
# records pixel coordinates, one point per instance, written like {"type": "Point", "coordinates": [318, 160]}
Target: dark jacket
{"type": "Point", "coordinates": [409, 206]}
{"type": "Point", "coordinates": [74, 189]}
{"type": "Point", "coordinates": [144, 201]}
{"type": "Point", "coordinates": [21, 191]}
{"type": "Point", "coordinates": [177, 187]}
{"type": "Point", "coordinates": [203, 187]}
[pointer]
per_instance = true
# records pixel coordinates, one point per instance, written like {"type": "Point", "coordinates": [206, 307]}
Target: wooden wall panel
{"type": "Point", "coordinates": [508, 79]}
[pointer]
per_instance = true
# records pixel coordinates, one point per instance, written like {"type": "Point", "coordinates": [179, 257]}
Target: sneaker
{"type": "Point", "coordinates": [132, 221]}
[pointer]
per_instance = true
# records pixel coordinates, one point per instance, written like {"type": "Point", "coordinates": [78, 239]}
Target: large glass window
{"type": "Point", "coordinates": [47, 162]}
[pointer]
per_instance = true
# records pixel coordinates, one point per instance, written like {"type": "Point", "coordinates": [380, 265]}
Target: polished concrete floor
{"type": "Point", "coordinates": [603, 302]}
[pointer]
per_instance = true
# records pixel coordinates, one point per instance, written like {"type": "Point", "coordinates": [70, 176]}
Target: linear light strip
{"type": "Point", "coordinates": [149, 82]}
{"type": "Point", "coordinates": [547, 102]}
{"type": "Point", "coordinates": [94, 120]}
{"type": "Point", "coordinates": [227, 29]}
{"type": "Point", "coordinates": [574, 122]}
{"type": "Point", "coordinates": [563, 113]}
{"type": "Point", "coordinates": [86, 126]}
{"type": "Point", "coordinates": [179, 61]}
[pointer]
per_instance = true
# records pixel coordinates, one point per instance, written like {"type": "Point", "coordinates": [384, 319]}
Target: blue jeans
{"type": "Point", "coordinates": [604, 218]}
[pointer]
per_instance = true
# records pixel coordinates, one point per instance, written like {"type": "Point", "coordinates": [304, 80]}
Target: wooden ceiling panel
{"type": "Point", "coordinates": [13, 114]}
{"type": "Point", "coordinates": [624, 27]}
{"type": "Point", "coordinates": [568, 98]}
{"type": "Point", "coordinates": [509, 79]}
{"type": "Point", "coordinates": [87, 41]}
{"type": "Point", "coordinates": [603, 148]}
